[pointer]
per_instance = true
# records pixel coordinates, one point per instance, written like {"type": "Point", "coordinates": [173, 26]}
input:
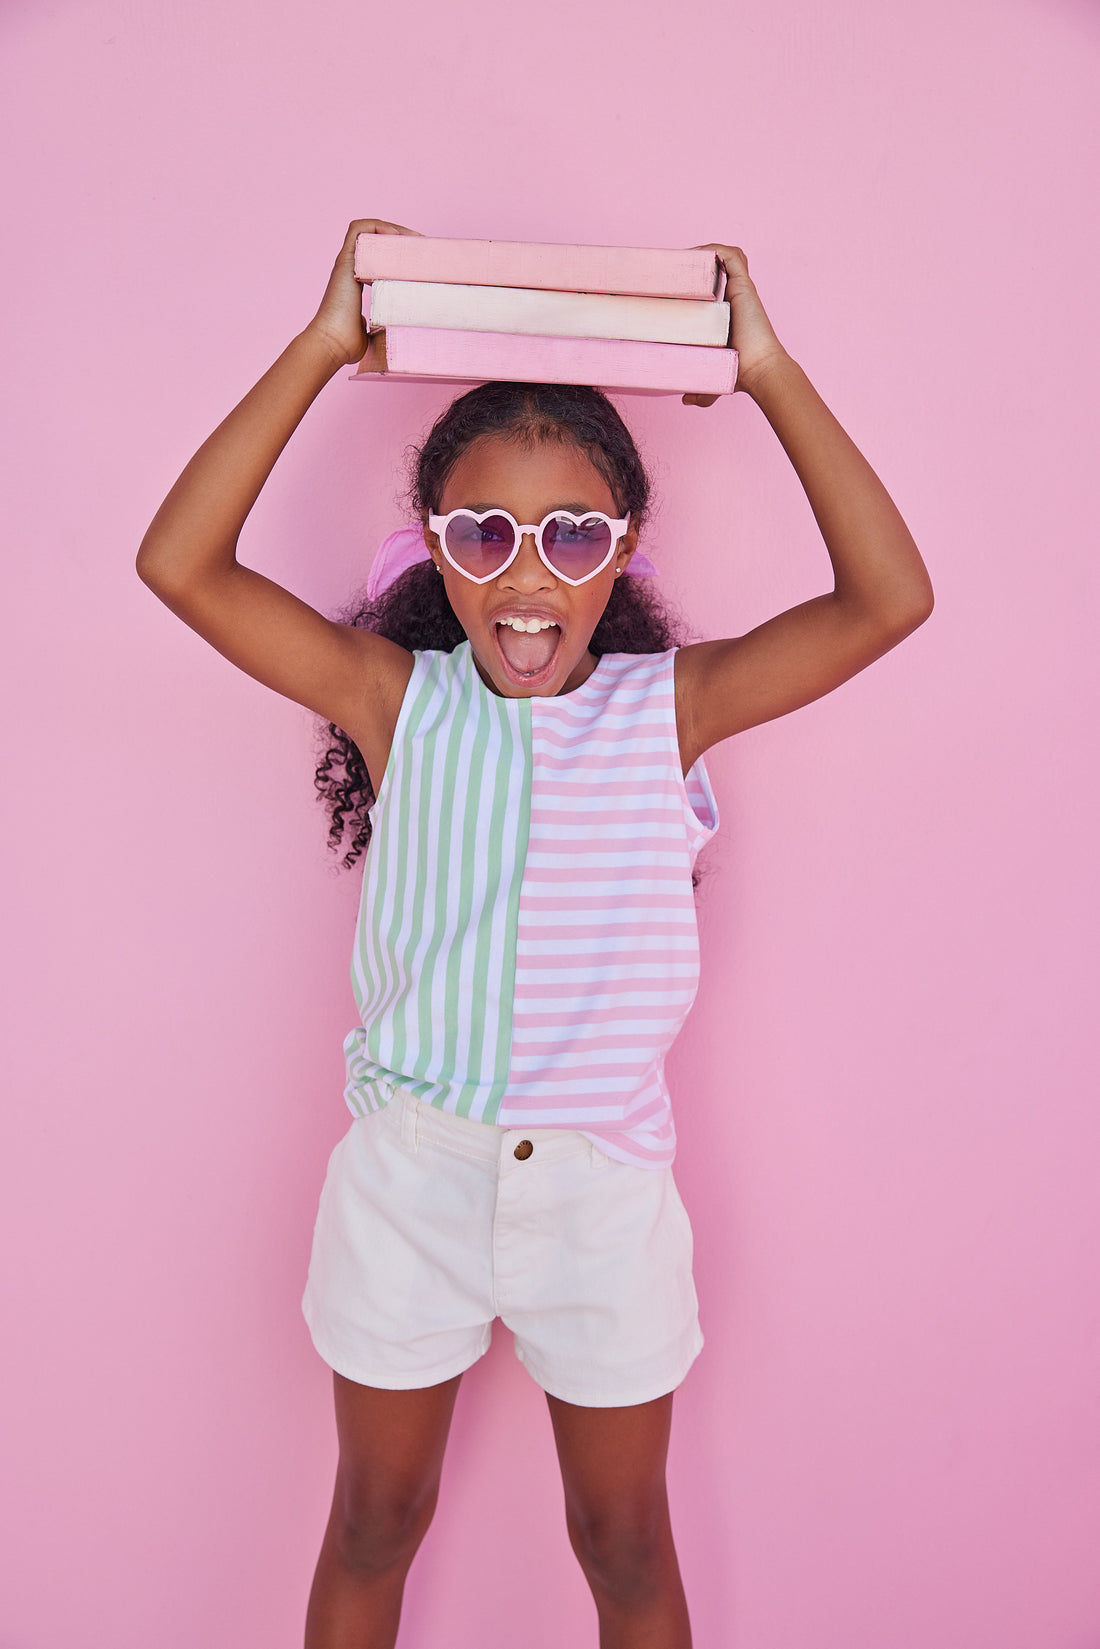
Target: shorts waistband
{"type": "Point", "coordinates": [423, 1124]}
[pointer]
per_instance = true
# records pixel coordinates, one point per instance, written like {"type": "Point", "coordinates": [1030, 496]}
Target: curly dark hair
{"type": "Point", "coordinates": [414, 611]}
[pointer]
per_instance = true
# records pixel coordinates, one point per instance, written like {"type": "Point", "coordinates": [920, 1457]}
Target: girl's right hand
{"type": "Point", "coordinates": [339, 320]}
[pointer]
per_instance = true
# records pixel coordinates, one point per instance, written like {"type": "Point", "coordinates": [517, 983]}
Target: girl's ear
{"type": "Point", "coordinates": [431, 541]}
{"type": "Point", "coordinates": [627, 545]}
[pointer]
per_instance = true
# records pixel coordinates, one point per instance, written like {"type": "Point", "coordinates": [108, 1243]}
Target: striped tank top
{"type": "Point", "coordinates": [526, 948]}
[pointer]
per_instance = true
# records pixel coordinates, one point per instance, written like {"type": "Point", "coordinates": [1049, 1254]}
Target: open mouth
{"type": "Point", "coordinates": [528, 646]}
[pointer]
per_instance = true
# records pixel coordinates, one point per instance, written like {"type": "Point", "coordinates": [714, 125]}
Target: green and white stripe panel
{"type": "Point", "coordinates": [434, 964]}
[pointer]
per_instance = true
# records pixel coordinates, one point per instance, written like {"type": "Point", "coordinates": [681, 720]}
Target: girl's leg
{"type": "Point", "coordinates": [616, 1508]}
{"type": "Point", "coordinates": [387, 1482]}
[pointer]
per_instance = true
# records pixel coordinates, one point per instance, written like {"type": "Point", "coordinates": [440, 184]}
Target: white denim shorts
{"type": "Point", "coordinates": [430, 1226]}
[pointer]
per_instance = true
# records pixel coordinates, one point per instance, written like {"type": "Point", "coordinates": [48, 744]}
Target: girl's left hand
{"type": "Point", "coordinates": [751, 332]}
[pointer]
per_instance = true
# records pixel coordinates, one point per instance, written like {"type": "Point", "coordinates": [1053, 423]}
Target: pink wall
{"type": "Point", "coordinates": [887, 1093]}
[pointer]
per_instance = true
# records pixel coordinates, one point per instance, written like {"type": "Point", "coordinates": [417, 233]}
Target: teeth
{"type": "Point", "coordinates": [529, 626]}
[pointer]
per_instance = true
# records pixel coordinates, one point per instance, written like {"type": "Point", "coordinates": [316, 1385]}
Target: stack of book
{"type": "Point", "coordinates": [466, 311]}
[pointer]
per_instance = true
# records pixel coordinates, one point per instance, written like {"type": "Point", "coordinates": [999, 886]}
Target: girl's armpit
{"type": "Point", "coordinates": [373, 712]}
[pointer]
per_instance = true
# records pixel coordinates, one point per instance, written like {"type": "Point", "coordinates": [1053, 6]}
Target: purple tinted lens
{"type": "Point", "coordinates": [480, 548]}
{"type": "Point", "coordinates": [576, 548]}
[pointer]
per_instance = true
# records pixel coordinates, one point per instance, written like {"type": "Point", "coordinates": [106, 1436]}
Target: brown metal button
{"type": "Point", "coordinates": [523, 1149]}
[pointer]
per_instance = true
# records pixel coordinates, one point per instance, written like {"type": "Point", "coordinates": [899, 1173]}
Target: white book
{"type": "Point", "coordinates": [535, 313]}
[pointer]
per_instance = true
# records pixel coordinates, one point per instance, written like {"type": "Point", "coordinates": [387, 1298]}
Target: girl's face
{"type": "Point", "coordinates": [529, 482]}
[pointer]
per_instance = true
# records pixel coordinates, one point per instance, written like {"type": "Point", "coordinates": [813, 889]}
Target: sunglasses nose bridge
{"type": "Point", "coordinates": [528, 558]}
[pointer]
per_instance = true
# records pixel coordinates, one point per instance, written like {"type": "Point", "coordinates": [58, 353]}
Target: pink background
{"type": "Point", "coordinates": [887, 1093]}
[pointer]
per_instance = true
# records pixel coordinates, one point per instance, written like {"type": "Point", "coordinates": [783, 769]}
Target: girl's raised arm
{"type": "Point", "coordinates": [881, 588]}
{"type": "Point", "coordinates": [188, 556]}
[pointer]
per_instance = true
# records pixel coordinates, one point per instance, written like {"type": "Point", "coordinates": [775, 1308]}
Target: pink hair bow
{"type": "Point", "coordinates": [405, 547]}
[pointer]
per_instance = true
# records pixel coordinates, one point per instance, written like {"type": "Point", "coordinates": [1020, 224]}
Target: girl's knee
{"type": "Point", "coordinates": [623, 1550]}
{"type": "Point", "coordinates": [377, 1530]}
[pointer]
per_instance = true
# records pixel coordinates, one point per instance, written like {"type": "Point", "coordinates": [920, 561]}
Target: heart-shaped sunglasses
{"type": "Point", "coordinates": [574, 547]}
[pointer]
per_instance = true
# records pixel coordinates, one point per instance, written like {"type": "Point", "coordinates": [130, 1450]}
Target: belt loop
{"type": "Point", "coordinates": [596, 1156]}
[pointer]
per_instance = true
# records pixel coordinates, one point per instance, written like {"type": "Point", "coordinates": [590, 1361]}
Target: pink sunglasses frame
{"type": "Point", "coordinates": [440, 523]}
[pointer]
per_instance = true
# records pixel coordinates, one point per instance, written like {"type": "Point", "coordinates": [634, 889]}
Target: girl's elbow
{"type": "Point", "coordinates": [161, 565]}
{"type": "Point", "coordinates": [910, 614]}
{"type": "Point", "coordinates": [153, 574]}
{"type": "Point", "coordinates": [924, 602]}
{"type": "Point", "coordinates": [145, 565]}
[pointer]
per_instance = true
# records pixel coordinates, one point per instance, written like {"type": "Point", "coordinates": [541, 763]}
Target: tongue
{"type": "Point", "coordinates": [528, 653]}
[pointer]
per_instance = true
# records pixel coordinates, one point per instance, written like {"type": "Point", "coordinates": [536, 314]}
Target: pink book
{"type": "Point", "coordinates": [612, 363]}
{"type": "Point", "coordinates": [647, 272]}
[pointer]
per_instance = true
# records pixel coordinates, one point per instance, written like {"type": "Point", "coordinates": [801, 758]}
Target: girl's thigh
{"type": "Point", "coordinates": [391, 1442]}
{"type": "Point", "coordinates": [612, 1459]}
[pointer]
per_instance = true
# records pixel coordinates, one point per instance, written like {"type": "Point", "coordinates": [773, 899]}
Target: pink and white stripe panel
{"type": "Point", "coordinates": [607, 955]}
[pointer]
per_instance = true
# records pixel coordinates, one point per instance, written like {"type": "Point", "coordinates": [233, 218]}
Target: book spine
{"type": "Point", "coordinates": [648, 272]}
{"type": "Point", "coordinates": [478, 357]}
{"type": "Point", "coordinates": [553, 314]}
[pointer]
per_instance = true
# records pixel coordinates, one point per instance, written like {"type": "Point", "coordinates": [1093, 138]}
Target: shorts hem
{"type": "Point", "coordinates": [354, 1369]}
{"type": "Point", "coordinates": [643, 1392]}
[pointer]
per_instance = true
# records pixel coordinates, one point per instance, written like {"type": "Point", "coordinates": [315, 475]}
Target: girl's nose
{"type": "Point", "coordinates": [528, 571]}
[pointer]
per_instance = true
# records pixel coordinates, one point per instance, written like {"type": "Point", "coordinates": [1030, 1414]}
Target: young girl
{"type": "Point", "coordinates": [526, 948]}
